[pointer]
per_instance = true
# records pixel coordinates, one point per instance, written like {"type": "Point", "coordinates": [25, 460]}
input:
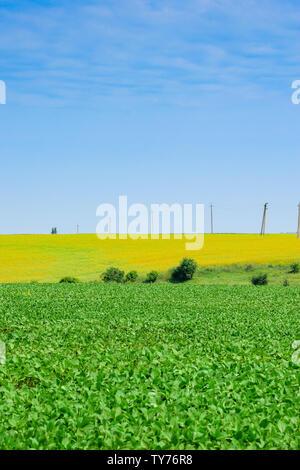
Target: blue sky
{"type": "Point", "coordinates": [163, 101]}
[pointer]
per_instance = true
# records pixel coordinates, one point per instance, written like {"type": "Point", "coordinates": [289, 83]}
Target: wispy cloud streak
{"type": "Point", "coordinates": [62, 52]}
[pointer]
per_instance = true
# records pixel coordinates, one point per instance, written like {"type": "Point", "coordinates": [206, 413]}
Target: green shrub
{"type": "Point", "coordinates": [295, 268]}
{"type": "Point", "coordinates": [131, 276]}
{"type": "Point", "coordinates": [69, 280]}
{"type": "Point", "coordinates": [113, 274]}
{"type": "Point", "coordinates": [152, 277]}
{"type": "Point", "coordinates": [286, 283]}
{"type": "Point", "coordinates": [185, 271]}
{"type": "Point", "coordinates": [260, 280]}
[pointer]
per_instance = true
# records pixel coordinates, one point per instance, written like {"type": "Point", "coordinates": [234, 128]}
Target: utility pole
{"type": "Point", "coordinates": [298, 231]}
{"type": "Point", "coordinates": [263, 225]}
{"type": "Point", "coordinates": [211, 219]}
{"type": "Point", "coordinates": [77, 228]}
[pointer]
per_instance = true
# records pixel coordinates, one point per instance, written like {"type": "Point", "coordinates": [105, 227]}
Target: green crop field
{"type": "Point", "coordinates": [94, 366]}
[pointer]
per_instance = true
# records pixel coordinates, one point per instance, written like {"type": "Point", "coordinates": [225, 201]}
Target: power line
{"type": "Point", "coordinates": [211, 219]}
{"type": "Point", "coordinates": [298, 231]}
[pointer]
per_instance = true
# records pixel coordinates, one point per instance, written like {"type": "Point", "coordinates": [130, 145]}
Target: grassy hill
{"type": "Point", "coordinates": [47, 258]}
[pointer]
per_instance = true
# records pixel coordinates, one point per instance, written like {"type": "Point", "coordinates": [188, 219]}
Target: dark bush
{"type": "Point", "coordinates": [152, 277]}
{"type": "Point", "coordinates": [113, 274]}
{"type": "Point", "coordinates": [69, 280]}
{"type": "Point", "coordinates": [286, 283]}
{"type": "Point", "coordinates": [260, 280]}
{"type": "Point", "coordinates": [185, 271]}
{"type": "Point", "coordinates": [131, 276]}
{"type": "Point", "coordinates": [295, 268]}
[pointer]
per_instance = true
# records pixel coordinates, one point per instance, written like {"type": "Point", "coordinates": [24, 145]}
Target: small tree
{"type": "Point", "coordinates": [152, 277]}
{"type": "Point", "coordinates": [113, 274]}
{"type": "Point", "coordinates": [260, 280]}
{"type": "Point", "coordinates": [295, 268]}
{"type": "Point", "coordinates": [131, 276]}
{"type": "Point", "coordinates": [185, 271]}
{"type": "Point", "coordinates": [53, 231]}
{"type": "Point", "coordinates": [69, 280]}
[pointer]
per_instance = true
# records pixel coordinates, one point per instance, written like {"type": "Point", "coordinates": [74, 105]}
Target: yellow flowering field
{"type": "Point", "coordinates": [50, 257]}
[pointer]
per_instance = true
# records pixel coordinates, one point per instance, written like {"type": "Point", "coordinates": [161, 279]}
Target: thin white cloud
{"type": "Point", "coordinates": [148, 47]}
